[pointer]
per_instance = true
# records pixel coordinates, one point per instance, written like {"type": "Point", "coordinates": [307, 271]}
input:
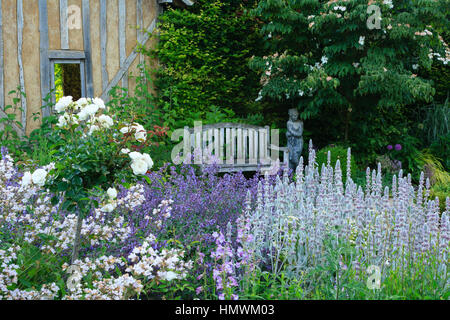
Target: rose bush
{"type": "Point", "coordinates": [90, 155]}
{"type": "Point", "coordinates": [36, 238]}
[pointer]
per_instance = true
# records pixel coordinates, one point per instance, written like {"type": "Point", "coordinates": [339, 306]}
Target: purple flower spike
{"type": "Point", "coordinates": [398, 147]}
{"type": "Point", "coordinates": [389, 147]}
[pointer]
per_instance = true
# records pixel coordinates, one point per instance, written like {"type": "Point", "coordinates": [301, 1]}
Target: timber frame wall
{"type": "Point", "coordinates": [35, 34]}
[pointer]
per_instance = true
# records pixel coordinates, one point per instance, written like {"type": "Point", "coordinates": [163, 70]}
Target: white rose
{"type": "Point", "coordinates": [62, 121]}
{"type": "Point", "coordinates": [139, 166]}
{"type": "Point", "coordinates": [26, 179]}
{"type": "Point", "coordinates": [66, 119]}
{"type": "Point", "coordinates": [148, 160]}
{"type": "Point", "coordinates": [82, 102]}
{"type": "Point", "coordinates": [105, 121]}
{"type": "Point", "coordinates": [99, 102]}
{"type": "Point", "coordinates": [112, 193]}
{"type": "Point", "coordinates": [141, 133]}
{"type": "Point", "coordinates": [91, 109]}
{"type": "Point", "coordinates": [39, 176]}
{"type": "Point", "coordinates": [125, 151]}
{"type": "Point", "coordinates": [63, 103]}
{"type": "Point", "coordinates": [136, 126]}
{"type": "Point", "coordinates": [82, 115]}
{"type": "Point", "coordinates": [141, 136]}
{"type": "Point", "coordinates": [169, 276]}
{"type": "Point", "coordinates": [109, 207]}
{"type": "Point", "coordinates": [93, 128]}
{"type": "Point", "coordinates": [124, 130]}
{"type": "Point", "coordinates": [135, 155]}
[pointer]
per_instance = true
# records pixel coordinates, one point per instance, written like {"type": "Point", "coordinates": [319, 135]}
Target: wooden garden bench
{"type": "Point", "coordinates": [239, 147]}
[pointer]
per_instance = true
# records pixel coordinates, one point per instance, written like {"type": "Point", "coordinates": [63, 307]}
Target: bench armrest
{"type": "Point", "coordinates": [285, 151]}
{"type": "Point", "coordinates": [273, 147]}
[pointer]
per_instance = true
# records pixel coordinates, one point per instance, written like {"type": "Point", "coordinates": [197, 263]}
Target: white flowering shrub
{"type": "Point", "coordinates": [50, 215]}
{"type": "Point", "coordinates": [96, 147]}
{"type": "Point", "coordinates": [96, 150]}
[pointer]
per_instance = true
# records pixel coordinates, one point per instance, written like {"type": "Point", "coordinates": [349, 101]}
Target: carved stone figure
{"type": "Point", "coordinates": [294, 136]}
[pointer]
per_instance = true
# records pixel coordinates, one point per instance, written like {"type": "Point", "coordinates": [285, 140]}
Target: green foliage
{"type": "Point", "coordinates": [263, 285]}
{"type": "Point", "coordinates": [204, 52]}
{"type": "Point", "coordinates": [437, 121]}
{"type": "Point", "coordinates": [440, 75]}
{"type": "Point", "coordinates": [36, 267]}
{"type": "Point", "coordinates": [439, 177]}
{"type": "Point", "coordinates": [441, 148]}
{"type": "Point", "coordinates": [142, 107]}
{"type": "Point", "coordinates": [139, 106]}
{"type": "Point", "coordinates": [336, 279]}
{"type": "Point", "coordinates": [35, 146]}
{"type": "Point", "coordinates": [433, 168]}
{"type": "Point", "coordinates": [59, 90]}
{"type": "Point", "coordinates": [88, 153]}
{"type": "Point", "coordinates": [9, 136]}
{"type": "Point", "coordinates": [40, 142]}
{"type": "Point", "coordinates": [337, 152]}
{"type": "Point", "coordinates": [326, 61]}
{"type": "Point", "coordinates": [442, 192]}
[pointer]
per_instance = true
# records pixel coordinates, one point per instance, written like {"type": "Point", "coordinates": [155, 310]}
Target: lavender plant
{"type": "Point", "coordinates": [203, 201]}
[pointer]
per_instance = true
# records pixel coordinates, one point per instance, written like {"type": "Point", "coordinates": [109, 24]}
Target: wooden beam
{"type": "Point", "coordinates": [139, 19]}
{"type": "Point", "coordinates": [103, 42]}
{"type": "Point", "coordinates": [66, 54]}
{"type": "Point", "coordinates": [64, 29]}
{"type": "Point", "coordinates": [122, 39]}
{"type": "Point", "coordinates": [128, 62]}
{"type": "Point", "coordinates": [20, 61]}
{"type": "Point", "coordinates": [2, 83]}
{"type": "Point", "coordinates": [140, 24]}
{"type": "Point", "coordinates": [45, 62]}
{"type": "Point", "coordinates": [88, 49]}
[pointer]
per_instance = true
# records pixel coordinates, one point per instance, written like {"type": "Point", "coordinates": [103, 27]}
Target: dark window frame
{"type": "Point", "coordinates": [68, 57]}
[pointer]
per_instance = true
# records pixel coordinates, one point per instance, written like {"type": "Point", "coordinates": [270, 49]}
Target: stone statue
{"type": "Point", "coordinates": [294, 138]}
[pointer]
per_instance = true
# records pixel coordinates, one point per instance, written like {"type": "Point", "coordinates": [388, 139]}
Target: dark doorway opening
{"type": "Point", "coordinates": [68, 80]}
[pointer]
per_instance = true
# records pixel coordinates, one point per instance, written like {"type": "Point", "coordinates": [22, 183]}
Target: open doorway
{"type": "Point", "coordinates": [67, 80]}
{"type": "Point", "coordinates": [67, 77]}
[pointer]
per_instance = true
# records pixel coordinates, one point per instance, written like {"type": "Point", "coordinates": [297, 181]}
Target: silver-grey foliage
{"type": "Point", "coordinates": [290, 221]}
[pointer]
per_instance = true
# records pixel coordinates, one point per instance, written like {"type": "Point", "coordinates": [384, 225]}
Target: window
{"type": "Point", "coordinates": [67, 74]}
{"type": "Point", "coordinates": [67, 80]}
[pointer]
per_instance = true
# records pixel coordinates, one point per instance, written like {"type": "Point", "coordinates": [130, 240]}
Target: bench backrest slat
{"type": "Point", "coordinates": [262, 144]}
{"type": "Point", "coordinates": [253, 156]}
{"type": "Point", "coordinates": [233, 144]}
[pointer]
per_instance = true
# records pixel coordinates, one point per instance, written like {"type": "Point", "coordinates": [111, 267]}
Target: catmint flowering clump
{"type": "Point", "coordinates": [224, 272]}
